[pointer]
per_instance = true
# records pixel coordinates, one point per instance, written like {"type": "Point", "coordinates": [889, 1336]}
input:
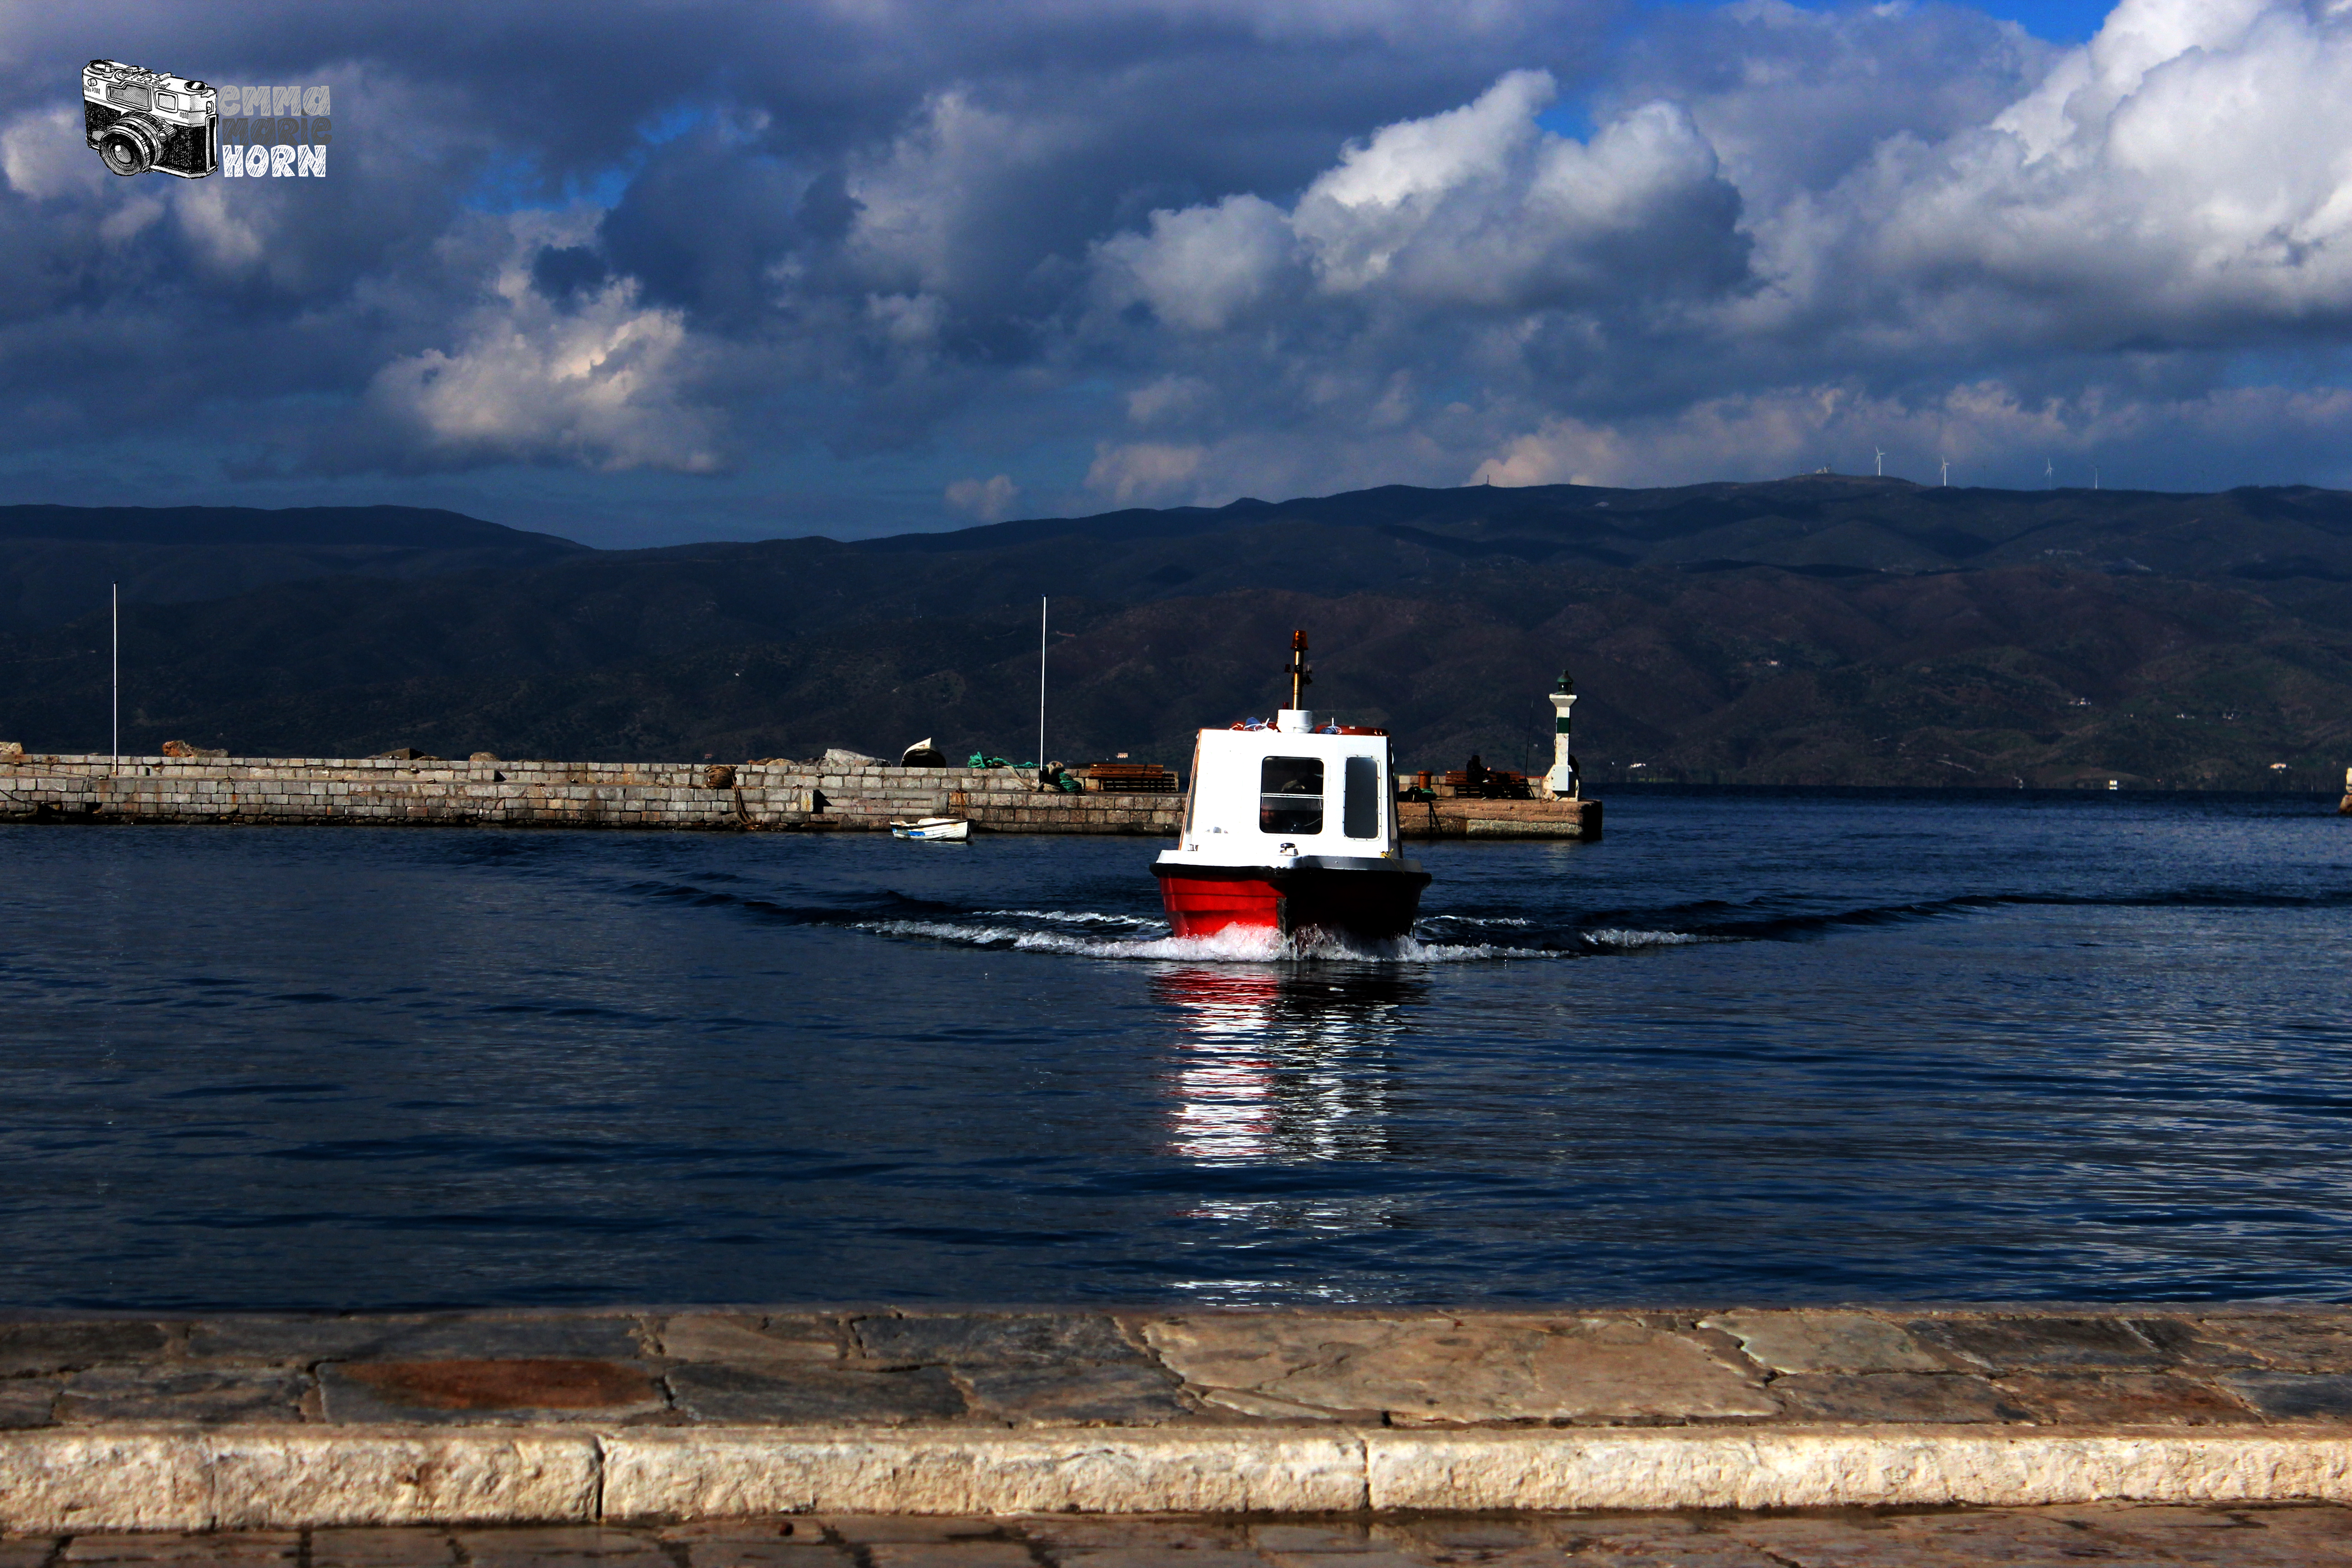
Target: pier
{"type": "Point", "coordinates": [780, 796]}
{"type": "Point", "coordinates": [766, 796]}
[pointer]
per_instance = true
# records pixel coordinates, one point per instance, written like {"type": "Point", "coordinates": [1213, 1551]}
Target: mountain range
{"type": "Point", "coordinates": [1818, 629]}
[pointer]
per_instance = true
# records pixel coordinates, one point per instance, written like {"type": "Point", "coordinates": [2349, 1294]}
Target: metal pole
{"type": "Point", "coordinates": [116, 589]}
{"type": "Point", "coordinates": [1041, 603]}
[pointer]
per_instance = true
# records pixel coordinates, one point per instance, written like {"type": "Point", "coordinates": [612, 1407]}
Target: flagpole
{"type": "Point", "coordinates": [116, 589]}
{"type": "Point", "coordinates": [1041, 690]}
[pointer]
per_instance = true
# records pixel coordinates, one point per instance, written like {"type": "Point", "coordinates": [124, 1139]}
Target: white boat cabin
{"type": "Point", "coordinates": [1288, 790]}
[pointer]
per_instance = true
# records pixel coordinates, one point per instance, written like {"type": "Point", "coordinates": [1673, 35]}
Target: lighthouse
{"type": "Point", "coordinates": [1563, 783]}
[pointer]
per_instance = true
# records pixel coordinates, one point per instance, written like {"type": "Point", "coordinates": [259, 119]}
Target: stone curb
{"type": "Point", "coordinates": [294, 1476]}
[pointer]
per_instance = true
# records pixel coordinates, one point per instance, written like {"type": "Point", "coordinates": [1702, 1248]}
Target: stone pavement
{"type": "Point", "coordinates": [2073, 1537]}
{"type": "Point", "coordinates": [286, 1422]}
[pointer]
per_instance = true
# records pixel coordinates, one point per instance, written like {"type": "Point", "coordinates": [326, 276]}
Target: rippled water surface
{"type": "Point", "coordinates": [1752, 1047]}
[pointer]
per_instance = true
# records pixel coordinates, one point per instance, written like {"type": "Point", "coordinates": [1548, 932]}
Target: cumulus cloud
{"type": "Point", "coordinates": [595, 378]}
{"type": "Point", "coordinates": [1478, 207]}
{"type": "Point", "coordinates": [1189, 249]}
{"type": "Point", "coordinates": [989, 499]}
{"type": "Point", "coordinates": [2080, 265]}
{"type": "Point", "coordinates": [41, 154]}
{"type": "Point", "coordinates": [1144, 473]}
{"type": "Point", "coordinates": [1966, 433]}
{"type": "Point", "coordinates": [1202, 268]}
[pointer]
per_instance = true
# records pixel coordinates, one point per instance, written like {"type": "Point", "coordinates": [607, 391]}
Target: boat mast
{"type": "Point", "coordinates": [1300, 676]}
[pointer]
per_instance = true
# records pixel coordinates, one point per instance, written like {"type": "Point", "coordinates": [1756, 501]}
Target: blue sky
{"type": "Point", "coordinates": [856, 270]}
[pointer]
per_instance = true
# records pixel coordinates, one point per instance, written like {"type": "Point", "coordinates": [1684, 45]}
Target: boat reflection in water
{"type": "Point", "coordinates": [1282, 1067]}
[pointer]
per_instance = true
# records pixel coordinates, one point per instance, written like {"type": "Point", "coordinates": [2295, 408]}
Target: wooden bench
{"type": "Point", "coordinates": [1501, 784]}
{"type": "Point", "coordinates": [1130, 778]}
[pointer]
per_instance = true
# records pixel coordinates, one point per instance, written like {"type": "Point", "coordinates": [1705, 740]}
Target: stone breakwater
{"type": "Point", "coordinates": [783, 796]}
{"type": "Point", "coordinates": [813, 797]}
{"type": "Point", "coordinates": [584, 1417]}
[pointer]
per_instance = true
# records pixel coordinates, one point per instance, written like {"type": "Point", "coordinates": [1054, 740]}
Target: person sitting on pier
{"type": "Point", "coordinates": [1476, 780]}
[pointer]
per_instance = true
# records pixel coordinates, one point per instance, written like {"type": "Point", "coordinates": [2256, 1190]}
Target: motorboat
{"type": "Point", "coordinates": [1291, 827]}
{"type": "Point", "coordinates": [939, 829]}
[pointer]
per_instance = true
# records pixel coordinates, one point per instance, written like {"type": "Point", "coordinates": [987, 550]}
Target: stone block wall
{"type": "Point", "coordinates": [1464, 817]}
{"type": "Point", "coordinates": [797, 797]}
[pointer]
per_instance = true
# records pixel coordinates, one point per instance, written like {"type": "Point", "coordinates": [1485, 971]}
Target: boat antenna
{"type": "Point", "coordinates": [1300, 676]}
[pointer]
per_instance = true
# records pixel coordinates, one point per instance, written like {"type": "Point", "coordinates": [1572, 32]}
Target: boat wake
{"type": "Point", "coordinates": [1627, 940]}
{"type": "Point", "coordinates": [1102, 934]}
{"type": "Point", "coordinates": [1234, 945]}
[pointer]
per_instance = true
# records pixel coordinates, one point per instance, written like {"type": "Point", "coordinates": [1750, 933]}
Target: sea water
{"type": "Point", "coordinates": [1750, 1046]}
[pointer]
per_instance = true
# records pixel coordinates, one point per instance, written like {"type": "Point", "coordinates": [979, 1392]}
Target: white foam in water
{"type": "Point", "coordinates": [1077, 918]}
{"type": "Point", "coordinates": [1234, 945]}
{"type": "Point", "coordinates": [1613, 938]}
{"type": "Point", "coordinates": [1476, 919]}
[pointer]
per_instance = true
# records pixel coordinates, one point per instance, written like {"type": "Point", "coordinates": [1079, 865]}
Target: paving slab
{"type": "Point", "coordinates": [1075, 1396]}
{"type": "Point", "coordinates": [600, 1418]}
{"type": "Point", "coordinates": [953, 1553]}
{"type": "Point", "coordinates": [29, 1401]}
{"type": "Point", "coordinates": [574, 1544]}
{"type": "Point", "coordinates": [471, 1391]}
{"type": "Point", "coordinates": [259, 1549]}
{"type": "Point", "coordinates": [68, 1347]}
{"type": "Point", "coordinates": [2123, 1399]}
{"type": "Point", "coordinates": [166, 1391]}
{"type": "Point", "coordinates": [2295, 1395]}
{"type": "Point", "coordinates": [1898, 1398]}
{"type": "Point", "coordinates": [750, 1339]}
{"type": "Point", "coordinates": [2041, 1343]}
{"type": "Point", "coordinates": [1023, 1339]}
{"type": "Point", "coordinates": [2286, 1343]}
{"type": "Point", "coordinates": [796, 1396]}
{"type": "Point", "coordinates": [1444, 1371]}
{"type": "Point", "coordinates": [381, 1548]}
{"type": "Point", "coordinates": [2061, 1537]}
{"type": "Point", "coordinates": [1828, 1341]}
{"type": "Point", "coordinates": [306, 1341]}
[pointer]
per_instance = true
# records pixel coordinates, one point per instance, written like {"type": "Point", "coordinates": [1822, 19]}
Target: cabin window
{"type": "Point", "coordinates": [1360, 810]}
{"type": "Point", "coordinates": [1290, 795]}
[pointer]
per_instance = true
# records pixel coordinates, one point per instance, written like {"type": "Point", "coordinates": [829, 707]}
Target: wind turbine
{"type": "Point", "coordinates": [2048, 473]}
{"type": "Point", "coordinates": [1947, 471]}
{"type": "Point", "coordinates": [1882, 463]}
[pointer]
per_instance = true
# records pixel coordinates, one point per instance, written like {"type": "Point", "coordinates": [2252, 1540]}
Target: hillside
{"type": "Point", "coordinates": [58, 562]}
{"type": "Point", "coordinates": [1813, 630]}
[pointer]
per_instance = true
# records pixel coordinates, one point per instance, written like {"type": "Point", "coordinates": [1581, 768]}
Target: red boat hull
{"type": "Point", "coordinates": [1375, 905]}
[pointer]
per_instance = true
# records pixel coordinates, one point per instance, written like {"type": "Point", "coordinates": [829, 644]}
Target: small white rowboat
{"type": "Point", "coordinates": [947, 830]}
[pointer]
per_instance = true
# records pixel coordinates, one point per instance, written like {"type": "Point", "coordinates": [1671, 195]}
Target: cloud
{"type": "Point", "coordinates": [1980, 430]}
{"type": "Point", "coordinates": [991, 500]}
{"type": "Point", "coordinates": [595, 378]}
{"type": "Point", "coordinates": [1202, 268]}
{"type": "Point", "coordinates": [1477, 208]}
{"type": "Point", "coordinates": [1156, 251]}
{"type": "Point", "coordinates": [1145, 473]}
{"type": "Point", "coordinates": [42, 155]}
{"type": "Point", "coordinates": [2079, 246]}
